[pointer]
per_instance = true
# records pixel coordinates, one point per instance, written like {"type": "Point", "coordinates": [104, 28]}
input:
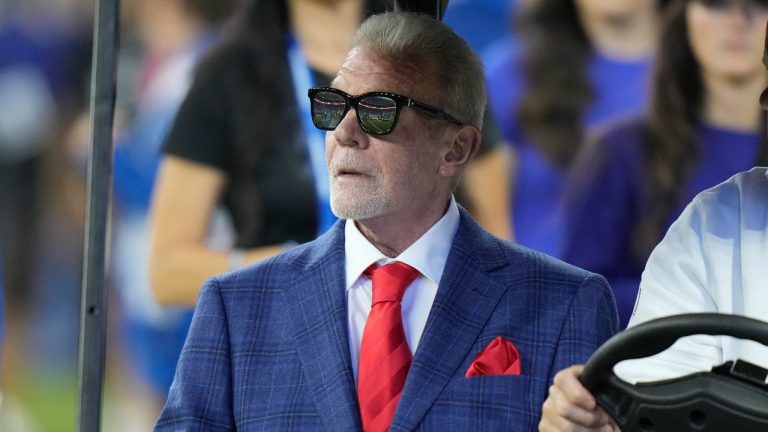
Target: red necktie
{"type": "Point", "coordinates": [384, 354]}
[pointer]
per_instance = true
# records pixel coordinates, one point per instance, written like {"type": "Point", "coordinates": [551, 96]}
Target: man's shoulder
{"type": "Point", "coordinates": [283, 269]}
{"type": "Point", "coordinates": [546, 268]}
{"type": "Point", "coordinates": [520, 261]}
{"type": "Point", "coordinates": [736, 204]}
{"type": "Point", "coordinates": [746, 186]}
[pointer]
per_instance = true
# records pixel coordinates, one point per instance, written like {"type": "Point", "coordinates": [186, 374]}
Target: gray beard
{"type": "Point", "coordinates": [359, 208]}
{"type": "Point", "coordinates": [361, 205]}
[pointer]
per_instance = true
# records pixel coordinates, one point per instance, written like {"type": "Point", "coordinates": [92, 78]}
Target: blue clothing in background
{"type": "Point", "coordinates": [607, 207]}
{"type": "Point", "coordinates": [480, 22]}
{"type": "Point", "coordinates": [49, 52]}
{"type": "Point", "coordinates": [154, 334]}
{"type": "Point", "coordinates": [2, 309]}
{"type": "Point", "coordinates": [537, 189]}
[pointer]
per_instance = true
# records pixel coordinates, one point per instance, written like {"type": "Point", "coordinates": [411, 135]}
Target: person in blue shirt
{"type": "Point", "coordinates": [703, 126]}
{"type": "Point", "coordinates": [480, 22]}
{"type": "Point", "coordinates": [574, 65]}
{"type": "Point", "coordinates": [174, 35]}
{"type": "Point", "coordinates": [2, 309]}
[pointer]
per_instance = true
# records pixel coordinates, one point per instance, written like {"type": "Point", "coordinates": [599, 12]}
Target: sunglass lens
{"type": "Point", "coordinates": [377, 114]}
{"type": "Point", "coordinates": [751, 5]}
{"type": "Point", "coordinates": [328, 109]}
{"type": "Point", "coordinates": [714, 4]}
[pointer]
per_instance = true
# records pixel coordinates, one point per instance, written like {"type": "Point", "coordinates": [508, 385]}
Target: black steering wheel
{"type": "Point", "coordinates": [730, 397]}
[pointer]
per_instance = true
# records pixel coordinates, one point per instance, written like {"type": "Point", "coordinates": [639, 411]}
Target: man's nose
{"type": "Point", "coordinates": [348, 131]}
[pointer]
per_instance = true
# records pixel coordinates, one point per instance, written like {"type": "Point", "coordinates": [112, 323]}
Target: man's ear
{"type": "Point", "coordinates": [462, 148]}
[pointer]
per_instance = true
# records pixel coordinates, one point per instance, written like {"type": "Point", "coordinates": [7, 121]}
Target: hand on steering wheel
{"type": "Point", "coordinates": [571, 407]}
{"type": "Point", "coordinates": [732, 397]}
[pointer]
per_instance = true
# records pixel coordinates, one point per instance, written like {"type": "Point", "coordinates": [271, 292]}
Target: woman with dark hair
{"type": "Point", "coordinates": [244, 139]}
{"type": "Point", "coordinates": [712, 258]}
{"type": "Point", "coordinates": [240, 140]}
{"type": "Point", "coordinates": [577, 63]}
{"type": "Point", "coordinates": [703, 126]}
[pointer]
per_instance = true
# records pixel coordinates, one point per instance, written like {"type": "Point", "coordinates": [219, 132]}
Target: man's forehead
{"type": "Point", "coordinates": [365, 69]}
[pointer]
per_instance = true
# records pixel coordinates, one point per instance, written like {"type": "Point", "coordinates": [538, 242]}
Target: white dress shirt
{"type": "Point", "coordinates": [714, 258]}
{"type": "Point", "coordinates": [427, 255]}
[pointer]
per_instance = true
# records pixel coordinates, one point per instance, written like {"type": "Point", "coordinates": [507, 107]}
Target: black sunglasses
{"type": "Point", "coordinates": [750, 6]}
{"type": "Point", "coordinates": [377, 112]}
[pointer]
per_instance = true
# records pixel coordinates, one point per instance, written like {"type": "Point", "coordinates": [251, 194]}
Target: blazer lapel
{"type": "Point", "coordinates": [317, 304]}
{"type": "Point", "coordinates": [466, 297]}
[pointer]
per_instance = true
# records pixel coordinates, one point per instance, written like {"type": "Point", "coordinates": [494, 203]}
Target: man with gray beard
{"type": "Point", "coordinates": [406, 315]}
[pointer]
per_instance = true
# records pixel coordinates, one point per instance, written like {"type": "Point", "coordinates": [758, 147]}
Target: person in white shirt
{"type": "Point", "coordinates": [713, 259]}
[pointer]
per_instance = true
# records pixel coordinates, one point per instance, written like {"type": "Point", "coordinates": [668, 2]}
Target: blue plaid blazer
{"type": "Point", "coordinates": [268, 349]}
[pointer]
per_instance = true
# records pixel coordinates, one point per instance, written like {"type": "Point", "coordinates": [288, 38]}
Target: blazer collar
{"type": "Point", "coordinates": [317, 304]}
{"type": "Point", "coordinates": [466, 297]}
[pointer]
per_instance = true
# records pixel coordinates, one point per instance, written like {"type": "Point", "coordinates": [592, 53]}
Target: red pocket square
{"type": "Point", "coordinates": [500, 357]}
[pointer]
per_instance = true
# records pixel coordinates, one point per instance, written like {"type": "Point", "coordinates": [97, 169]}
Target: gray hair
{"type": "Point", "coordinates": [456, 70]}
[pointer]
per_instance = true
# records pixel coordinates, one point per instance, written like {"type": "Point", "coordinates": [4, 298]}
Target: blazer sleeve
{"type": "Point", "coordinates": [591, 320]}
{"type": "Point", "coordinates": [200, 397]}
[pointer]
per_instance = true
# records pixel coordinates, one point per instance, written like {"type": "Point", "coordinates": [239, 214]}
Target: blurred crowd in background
{"type": "Point", "coordinates": [569, 83]}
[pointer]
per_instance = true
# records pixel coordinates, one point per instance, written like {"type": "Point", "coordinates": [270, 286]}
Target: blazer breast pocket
{"type": "Point", "coordinates": [496, 402]}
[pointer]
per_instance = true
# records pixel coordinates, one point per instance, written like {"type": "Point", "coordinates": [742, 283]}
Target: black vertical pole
{"type": "Point", "coordinates": [434, 8]}
{"type": "Point", "coordinates": [93, 309]}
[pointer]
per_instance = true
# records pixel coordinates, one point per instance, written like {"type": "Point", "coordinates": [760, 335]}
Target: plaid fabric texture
{"type": "Point", "coordinates": [268, 348]}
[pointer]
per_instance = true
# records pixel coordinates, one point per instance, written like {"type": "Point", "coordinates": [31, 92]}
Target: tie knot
{"type": "Point", "coordinates": [390, 281]}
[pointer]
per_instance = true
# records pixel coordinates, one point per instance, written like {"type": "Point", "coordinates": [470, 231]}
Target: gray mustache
{"type": "Point", "coordinates": [351, 162]}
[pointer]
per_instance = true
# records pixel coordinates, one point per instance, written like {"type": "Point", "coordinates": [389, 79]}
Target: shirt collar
{"type": "Point", "coordinates": [428, 254]}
